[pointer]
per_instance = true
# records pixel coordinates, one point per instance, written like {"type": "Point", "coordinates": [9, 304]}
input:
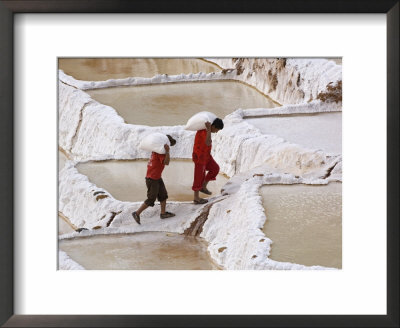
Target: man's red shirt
{"type": "Point", "coordinates": [155, 166]}
{"type": "Point", "coordinates": [201, 152]}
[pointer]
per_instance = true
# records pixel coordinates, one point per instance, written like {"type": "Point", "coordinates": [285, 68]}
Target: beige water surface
{"type": "Point", "coordinates": [125, 180]}
{"type": "Point", "coordinates": [175, 103]}
{"type": "Point", "coordinates": [305, 223]}
{"type": "Point", "coordinates": [141, 251]}
{"type": "Point", "coordinates": [101, 69]}
{"type": "Point", "coordinates": [63, 227]}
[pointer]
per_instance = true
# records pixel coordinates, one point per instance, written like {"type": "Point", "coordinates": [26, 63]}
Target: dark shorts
{"type": "Point", "coordinates": [155, 190]}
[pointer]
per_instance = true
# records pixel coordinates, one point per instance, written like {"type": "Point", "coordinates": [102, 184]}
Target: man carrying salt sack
{"type": "Point", "coordinates": [203, 161]}
{"type": "Point", "coordinates": [155, 184]}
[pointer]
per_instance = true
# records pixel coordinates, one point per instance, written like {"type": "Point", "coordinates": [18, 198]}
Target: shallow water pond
{"type": "Point", "coordinates": [175, 103]}
{"type": "Point", "coordinates": [305, 223]}
{"type": "Point", "coordinates": [141, 251]}
{"type": "Point", "coordinates": [101, 69]}
{"type": "Point", "coordinates": [315, 131]}
{"type": "Point", "coordinates": [125, 180]}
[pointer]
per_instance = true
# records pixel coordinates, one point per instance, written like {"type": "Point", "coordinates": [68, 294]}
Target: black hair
{"type": "Point", "coordinates": [171, 140]}
{"type": "Point", "coordinates": [218, 123]}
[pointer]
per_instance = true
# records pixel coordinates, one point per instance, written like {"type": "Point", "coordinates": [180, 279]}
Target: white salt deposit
{"type": "Point", "coordinates": [93, 208]}
{"type": "Point", "coordinates": [312, 107]}
{"type": "Point", "coordinates": [161, 78]}
{"type": "Point", "coordinates": [287, 81]}
{"type": "Point", "coordinates": [240, 147]}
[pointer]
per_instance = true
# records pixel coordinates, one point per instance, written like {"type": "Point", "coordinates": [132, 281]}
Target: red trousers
{"type": "Point", "coordinates": [200, 173]}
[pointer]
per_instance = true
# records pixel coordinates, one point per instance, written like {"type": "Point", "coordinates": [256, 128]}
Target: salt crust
{"type": "Point", "coordinates": [92, 131]}
{"type": "Point", "coordinates": [287, 81]}
{"type": "Point", "coordinates": [101, 134]}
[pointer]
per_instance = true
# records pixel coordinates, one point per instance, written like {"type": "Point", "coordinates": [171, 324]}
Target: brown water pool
{"type": "Point", "coordinates": [140, 251]}
{"type": "Point", "coordinates": [101, 69]}
{"type": "Point", "coordinates": [174, 103]}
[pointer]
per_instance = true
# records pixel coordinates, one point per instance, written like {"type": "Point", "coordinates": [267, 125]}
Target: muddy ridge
{"type": "Point", "coordinates": [196, 227]}
{"type": "Point", "coordinates": [333, 93]}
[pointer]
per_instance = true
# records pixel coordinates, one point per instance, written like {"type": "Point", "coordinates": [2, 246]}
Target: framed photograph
{"type": "Point", "coordinates": [59, 56]}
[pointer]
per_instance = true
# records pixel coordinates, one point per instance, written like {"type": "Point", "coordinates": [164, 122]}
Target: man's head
{"type": "Point", "coordinates": [217, 125]}
{"type": "Point", "coordinates": [172, 141]}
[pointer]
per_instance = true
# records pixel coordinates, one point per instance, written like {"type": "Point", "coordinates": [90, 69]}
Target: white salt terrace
{"type": "Point", "coordinates": [174, 103]}
{"type": "Point", "coordinates": [140, 251]}
{"type": "Point", "coordinates": [305, 223]}
{"type": "Point", "coordinates": [125, 180]}
{"type": "Point", "coordinates": [315, 131]}
{"type": "Point", "coordinates": [102, 69]}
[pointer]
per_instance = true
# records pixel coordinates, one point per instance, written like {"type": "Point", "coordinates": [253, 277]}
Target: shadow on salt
{"type": "Point", "coordinates": [305, 223]}
{"type": "Point", "coordinates": [125, 180]}
{"type": "Point", "coordinates": [141, 251]}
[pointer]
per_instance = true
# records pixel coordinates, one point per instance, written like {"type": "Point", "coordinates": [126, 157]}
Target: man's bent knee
{"type": "Point", "coordinates": [162, 199]}
{"type": "Point", "coordinates": [150, 202]}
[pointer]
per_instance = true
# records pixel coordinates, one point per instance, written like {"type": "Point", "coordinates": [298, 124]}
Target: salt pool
{"type": "Point", "coordinates": [315, 131]}
{"type": "Point", "coordinates": [101, 69]}
{"type": "Point", "coordinates": [140, 251]}
{"type": "Point", "coordinates": [305, 223]}
{"type": "Point", "coordinates": [125, 180]}
{"type": "Point", "coordinates": [175, 103]}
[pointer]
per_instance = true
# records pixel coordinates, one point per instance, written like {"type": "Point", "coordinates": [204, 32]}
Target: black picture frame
{"type": "Point", "coordinates": [10, 7]}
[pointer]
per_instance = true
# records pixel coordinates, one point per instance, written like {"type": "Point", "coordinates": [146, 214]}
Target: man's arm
{"type": "Point", "coordinates": [166, 159]}
{"type": "Point", "coordinates": [208, 138]}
